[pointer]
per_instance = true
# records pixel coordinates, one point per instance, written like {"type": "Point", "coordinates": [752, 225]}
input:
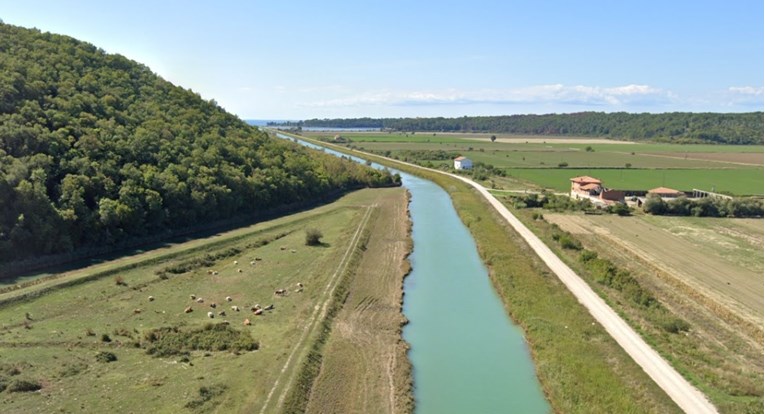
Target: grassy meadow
{"type": "Point", "coordinates": [544, 162]}
{"type": "Point", "coordinates": [62, 338]}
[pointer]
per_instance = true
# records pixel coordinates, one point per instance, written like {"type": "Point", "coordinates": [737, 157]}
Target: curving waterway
{"type": "Point", "coordinates": [467, 356]}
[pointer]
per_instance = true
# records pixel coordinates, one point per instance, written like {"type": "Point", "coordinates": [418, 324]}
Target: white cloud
{"type": "Point", "coordinates": [745, 90]}
{"type": "Point", "coordinates": [540, 94]}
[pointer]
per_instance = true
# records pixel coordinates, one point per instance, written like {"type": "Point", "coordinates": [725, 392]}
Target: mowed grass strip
{"type": "Point", "coordinates": [581, 368]}
{"type": "Point", "coordinates": [55, 339]}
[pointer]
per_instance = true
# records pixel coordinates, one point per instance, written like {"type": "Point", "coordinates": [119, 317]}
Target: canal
{"type": "Point", "coordinates": [466, 354]}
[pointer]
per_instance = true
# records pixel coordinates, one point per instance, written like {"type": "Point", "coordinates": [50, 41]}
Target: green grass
{"type": "Point", "coordinates": [59, 344]}
{"type": "Point", "coordinates": [745, 181]}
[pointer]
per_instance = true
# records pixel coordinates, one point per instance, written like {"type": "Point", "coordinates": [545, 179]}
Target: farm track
{"type": "Point", "coordinates": [316, 317]}
{"type": "Point", "coordinates": [685, 395]}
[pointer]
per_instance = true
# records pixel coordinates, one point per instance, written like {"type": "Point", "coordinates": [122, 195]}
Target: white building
{"type": "Point", "coordinates": [462, 163]}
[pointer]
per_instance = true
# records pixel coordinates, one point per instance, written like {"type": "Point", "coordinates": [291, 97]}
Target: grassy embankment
{"type": "Point", "coordinates": [719, 344]}
{"type": "Point", "coordinates": [581, 368]}
{"type": "Point", "coordinates": [736, 169]}
{"type": "Point", "coordinates": [61, 339]}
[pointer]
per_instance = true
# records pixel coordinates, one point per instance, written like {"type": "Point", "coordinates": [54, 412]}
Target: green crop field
{"type": "Point", "coordinates": [748, 181]}
{"type": "Point", "coordinates": [735, 169]}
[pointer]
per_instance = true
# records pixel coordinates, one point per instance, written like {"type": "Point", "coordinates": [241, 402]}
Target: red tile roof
{"type": "Point", "coordinates": [585, 180]}
{"type": "Point", "coordinates": [460, 158]}
{"type": "Point", "coordinates": [589, 186]}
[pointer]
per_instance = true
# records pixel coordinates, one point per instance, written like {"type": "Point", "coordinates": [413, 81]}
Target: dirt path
{"type": "Point", "coordinates": [685, 395]}
{"type": "Point", "coordinates": [364, 367]}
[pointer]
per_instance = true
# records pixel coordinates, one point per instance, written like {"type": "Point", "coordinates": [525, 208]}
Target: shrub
{"type": "Point", "coordinates": [106, 357]}
{"type": "Point", "coordinates": [313, 237]}
{"type": "Point", "coordinates": [105, 338]}
{"type": "Point", "coordinates": [675, 325]}
{"type": "Point", "coordinates": [563, 164]}
{"type": "Point", "coordinates": [21, 385]}
{"type": "Point", "coordinates": [169, 341]}
{"type": "Point", "coordinates": [206, 394]}
{"type": "Point", "coordinates": [568, 242]}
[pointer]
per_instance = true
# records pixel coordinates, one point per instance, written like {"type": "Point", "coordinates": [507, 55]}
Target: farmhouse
{"type": "Point", "coordinates": [592, 189]}
{"type": "Point", "coordinates": [665, 192]}
{"type": "Point", "coordinates": [462, 163]}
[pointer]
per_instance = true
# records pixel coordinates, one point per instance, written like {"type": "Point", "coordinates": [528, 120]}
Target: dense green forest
{"type": "Point", "coordinates": [681, 127]}
{"type": "Point", "coordinates": [96, 149]}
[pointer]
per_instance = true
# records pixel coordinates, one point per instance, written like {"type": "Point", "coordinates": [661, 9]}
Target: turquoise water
{"type": "Point", "coordinates": [467, 356]}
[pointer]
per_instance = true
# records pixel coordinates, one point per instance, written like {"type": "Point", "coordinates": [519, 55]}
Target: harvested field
{"type": "Point", "coordinates": [723, 261]}
{"type": "Point", "coordinates": [706, 271]}
{"type": "Point", "coordinates": [364, 366]}
{"type": "Point", "coordinates": [63, 335]}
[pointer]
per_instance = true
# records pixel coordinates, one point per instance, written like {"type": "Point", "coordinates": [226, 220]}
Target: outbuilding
{"type": "Point", "coordinates": [665, 192]}
{"type": "Point", "coordinates": [462, 163]}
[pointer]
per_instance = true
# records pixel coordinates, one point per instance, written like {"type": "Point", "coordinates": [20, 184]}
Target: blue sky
{"type": "Point", "coordinates": [303, 59]}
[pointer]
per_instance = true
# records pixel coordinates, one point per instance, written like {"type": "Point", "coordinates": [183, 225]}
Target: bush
{"type": "Point", "coordinates": [562, 164]}
{"type": "Point", "coordinates": [24, 386]}
{"type": "Point", "coordinates": [568, 242]}
{"type": "Point", "coordinates": [106, 357]}
{"type": "Point", "coordinates": [105, 338]}
{"type": "Point", "coordinates": [675, 325]}
{"type": "Point", "coordinates": [313, 237]}
{"type": "Point", "coordinates": [162, 342]}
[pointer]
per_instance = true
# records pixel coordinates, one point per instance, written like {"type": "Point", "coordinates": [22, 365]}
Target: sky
{"type": "Point", "coordinates": [284, 59]}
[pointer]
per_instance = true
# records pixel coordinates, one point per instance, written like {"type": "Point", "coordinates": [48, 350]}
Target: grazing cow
{"type": "Point", "coordinates": [235, 308]}
{"type": "Point", "coordinates": [280, 292]}
{"type": "Point", "coordinates": [254, 308]}
{"type": "Point", "coordinates": [193, 297]}
{"type": "Point", "coordinates": [257, 259]}
{"type": "Point", "coordinates": [222, 313]}
{"type": "Point", "coordinates": [283, 248]}
{"type": "Point", "coordinates": [151, 298]}
{"type": "Point", "coordinates": [200, 300]}
{"type": "Point", "coordinates": [299, 284]}
{"type": "Point", "coordinates": [247, 322]}
{"type": "Point", "coordinates": [215, 273]}
{"type": "Point", "coordinates": [258, 312]}
{"type": "Point", "coordinates": [213, 305]}
{"type": "Point", "coordinates": [236, 262]}
{"type": "Point", "coordinates": [252, 263]}
{"type": "Point", "coordinates": [269, 307]}
{"type": "Point", "coordinates": [229, 299]}
{"type": "Point", "coordinates": [210, 315]}
{"type": "Point", "coordinates": [293, 251]}
{"type": "Point", "coordinates": [188, 309]}
{"type": "Point", "coordinates": [299, 290]}
{"type": "Point", "coordinates": [239, 270]}
{"type": "Point", "coordinates": [209, 271]}
{"type": "Point", "coordinates": [136, 311]}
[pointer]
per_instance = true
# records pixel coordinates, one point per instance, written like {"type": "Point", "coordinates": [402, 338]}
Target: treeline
{"type": "Point", "coordinates": [680, 127]}
{"type": "Point", "coordinates": [704, 207]}
{"type": "Point", "coordinates": [96, 149]}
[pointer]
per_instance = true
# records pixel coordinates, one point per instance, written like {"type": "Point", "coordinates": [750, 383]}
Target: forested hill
{"type": "Point", "coordinates": [731, 128]}
{"type": "Point", "coordinates": [96, 149]}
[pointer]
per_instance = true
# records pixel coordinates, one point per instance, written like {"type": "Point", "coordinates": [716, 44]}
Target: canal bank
{"type": "Point", "coordinates": [466, 354]}
{"type": "Point", "coordinates": [581, 368]}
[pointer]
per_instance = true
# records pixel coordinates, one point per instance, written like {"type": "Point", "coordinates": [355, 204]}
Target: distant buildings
{"type": "Point", "coordinates": [462, 163]}
{"type": "Point", "coordinates": [592, 189]}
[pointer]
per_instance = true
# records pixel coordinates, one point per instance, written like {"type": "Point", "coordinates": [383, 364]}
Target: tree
{"type": "Point", "coordinates": [313, 237]}
{"type": "Point", "coordinates": [493, 138]}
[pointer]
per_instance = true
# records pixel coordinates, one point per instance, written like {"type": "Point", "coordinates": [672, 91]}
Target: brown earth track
{"type": "Point", "coordinates": [364, 364]}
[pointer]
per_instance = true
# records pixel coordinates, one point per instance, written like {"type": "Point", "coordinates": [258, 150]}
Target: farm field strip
{"type": "Point", "coordinates": [319, 312]}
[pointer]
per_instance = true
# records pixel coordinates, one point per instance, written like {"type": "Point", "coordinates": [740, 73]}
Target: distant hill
{"type": "Point", "coordinates": [681, 127]}
{"type": "Point", "coordinates": [96, 150]}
